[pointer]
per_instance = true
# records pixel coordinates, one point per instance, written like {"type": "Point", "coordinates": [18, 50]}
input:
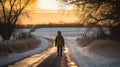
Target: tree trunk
{"type": "Point", "coordinates": [6, 31]}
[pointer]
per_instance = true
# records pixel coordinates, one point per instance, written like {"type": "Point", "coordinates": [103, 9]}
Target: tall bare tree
{"type": "Point", "coordinates": [100, 12]}
{"type": "Point", "coordinates": [10, 12]}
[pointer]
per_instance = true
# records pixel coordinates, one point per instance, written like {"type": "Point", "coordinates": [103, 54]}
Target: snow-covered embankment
{"type": "Point", "coordinates": [17, 56]}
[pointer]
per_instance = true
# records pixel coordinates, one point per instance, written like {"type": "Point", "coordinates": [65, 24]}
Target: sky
{"type": "Point", "coordinates": [49, 11]}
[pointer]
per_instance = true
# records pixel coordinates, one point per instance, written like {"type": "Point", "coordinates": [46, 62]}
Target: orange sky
{"type": "Point", "coordinates": [44, 15]}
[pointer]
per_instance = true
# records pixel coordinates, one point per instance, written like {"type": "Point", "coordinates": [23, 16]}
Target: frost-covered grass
{"type": "Point", "coordinates": [13, 57]}
{"type": "Point", "coordinates": [83, 42]}
{"type": "Point", "coordinates": [18, 46]}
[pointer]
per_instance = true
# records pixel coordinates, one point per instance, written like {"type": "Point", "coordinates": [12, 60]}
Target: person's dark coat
{"type": "Point", "coordinates": [59, 40]}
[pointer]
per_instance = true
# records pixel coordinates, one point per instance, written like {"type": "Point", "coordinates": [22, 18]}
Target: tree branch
{"type": "Point", "coordinates": [11, 7]}
{"type": "Point", "coordinates": [3, 10]}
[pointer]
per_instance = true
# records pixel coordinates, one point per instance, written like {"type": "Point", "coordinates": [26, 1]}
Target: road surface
{"type": "Point", "coordinates": [47, 58]}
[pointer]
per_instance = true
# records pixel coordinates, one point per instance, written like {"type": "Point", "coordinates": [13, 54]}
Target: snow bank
{"type": "Point", "coordinates": [17, 56]}
{"type": "Point", "coordinates": [84, 59]}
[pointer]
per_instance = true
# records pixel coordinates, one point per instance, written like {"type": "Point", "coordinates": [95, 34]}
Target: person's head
{"type": "Point", "coordinates": [59, 32]}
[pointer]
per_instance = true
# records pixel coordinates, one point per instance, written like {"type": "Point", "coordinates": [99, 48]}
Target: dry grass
{"type": "Point", "coordinates": [83, 42]}
{"type": "Point", "coordinates": [18, 46]}
{"type": "Point", "coordinates": [108, 48]}
{"type": "Point", "coordinates": [105, 48]}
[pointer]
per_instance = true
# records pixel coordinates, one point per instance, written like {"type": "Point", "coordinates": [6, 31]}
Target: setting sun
{"type": "Point", "coordinates": [48, 4]}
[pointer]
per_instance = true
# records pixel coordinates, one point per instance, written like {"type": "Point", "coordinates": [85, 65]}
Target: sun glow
{"type": "Point", "coordinates": [53, 5]}
{"type": "Point", "coordinates": [48, 4]}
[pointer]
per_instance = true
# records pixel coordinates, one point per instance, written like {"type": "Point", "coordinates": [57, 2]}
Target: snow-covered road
{"type": "Point", "coordinates": [34, 60]}
{"type": "Point", "coordinates": [47, 58]}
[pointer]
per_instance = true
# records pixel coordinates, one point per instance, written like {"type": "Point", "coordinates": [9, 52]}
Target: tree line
{"type": "Point", "coordinates": [100, 12]}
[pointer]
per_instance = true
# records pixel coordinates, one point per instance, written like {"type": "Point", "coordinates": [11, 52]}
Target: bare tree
{"type": "Point", "coordinates": [100, 12]}
{"type": "Point", "coordinates": [10, 12]}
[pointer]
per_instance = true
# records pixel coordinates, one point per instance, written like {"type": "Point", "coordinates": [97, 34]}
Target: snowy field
{"type": "Point", "coordinates": [66, 32]}
{"type": "Point", "coordinates": [80, 55]}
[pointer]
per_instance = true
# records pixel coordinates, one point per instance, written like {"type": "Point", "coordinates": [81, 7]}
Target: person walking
{"type": "Point", "coordinates": [59, 43]}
